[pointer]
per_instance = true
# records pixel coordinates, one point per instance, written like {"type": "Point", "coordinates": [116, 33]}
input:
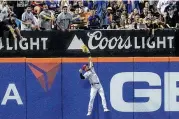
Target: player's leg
{"type": "Point", "coordinates": [92, 97]}
{"type": "Point", "coordinates": [103, 99]}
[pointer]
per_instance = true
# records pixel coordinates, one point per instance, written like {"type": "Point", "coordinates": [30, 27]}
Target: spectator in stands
{"type": "Point", "coordinates": [64, 19]}
{"type": "Point", "coordinates": [144, 13]}
{"type": "Point", "coordinates": [105, 10]}
{"type": "Point", "coordinates": [9, 28]}
{"type": "Point", "coordinates": [117, 16]}
{"type": "Point", "coordinates": [149, 16]}
{"type": "Point", "coordinates": [94, 20]}
{"type": "Point", "coordinates": [82, 7]}
{"type": "Point", "coordinates": [85, 15]}
{"type": "Point", "coordinates": [129, 24]}
{"type": "Point", "coordinates": [101, 8]}
{"type": "Point", "coordinates": [109, 16]}
{"type": "Point", "coordinates": [136, 18]}
{"type": "Point", "coordinates": [81, 22]}
{"type": "Point", "coordinates": [28, 21]}
{"type": "Point", "coordinates": [11, 14]}
{"type": "Point", "coordinates": [133, 14]}
{"type": "Point", "coordinates": [147, 5]}
{"type": "Point", "coordinates": [113, 25]}
{"type": "Point", "coordinates": [76, 16]}
{"type": "Point", "coordinates": [65, 3]}
{"type": "Point", "coordinates": [37, 6]}
{"type": "Point", "coordinates": [46, 18]}
{"type": "Point", "coordinates": [123, 20]}
{"type": "Point", "coordinates": [123, 7]}
{"type": "Point", "coordinates": [85, 6]}
{"type": "Point", "coordinates": [77, 19]}
{"type": "Point", "coordinates": [115, 6]}
{"type": "Point", "coordinates": [4, 11]}
{"type": "Point", "coordinates": [162, 6]}
{"type": "Point", "coordinates": [171, 18]}
{"type": "Point", "coordinates": [52, 4]}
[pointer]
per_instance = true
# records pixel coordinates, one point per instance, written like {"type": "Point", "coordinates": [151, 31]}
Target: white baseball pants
{"type": "Point", "coordinates": [94, 89]}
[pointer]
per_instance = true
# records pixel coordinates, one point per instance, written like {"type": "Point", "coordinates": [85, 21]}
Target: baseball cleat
{"type": "Point", "coordinates": [89, 113]}
{"type": "Point", "coordinates": [106, 110]}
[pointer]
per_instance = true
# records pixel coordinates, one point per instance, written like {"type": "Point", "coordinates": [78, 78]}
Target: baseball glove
{"type": "Point", "coordinates": [85, 49]}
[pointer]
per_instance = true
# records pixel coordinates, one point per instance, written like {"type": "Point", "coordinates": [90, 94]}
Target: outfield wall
{"type": "Point", "coordinates": [50, 88]}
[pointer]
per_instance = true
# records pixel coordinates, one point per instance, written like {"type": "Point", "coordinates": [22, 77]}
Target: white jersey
{"type": "Point", "coordinates": [92, 76]}
{"type": "Point", "coordinates": [162, 5]}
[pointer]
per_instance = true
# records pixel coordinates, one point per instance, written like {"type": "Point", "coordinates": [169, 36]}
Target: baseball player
{"type": "Point", "coordinates": [95, 85]}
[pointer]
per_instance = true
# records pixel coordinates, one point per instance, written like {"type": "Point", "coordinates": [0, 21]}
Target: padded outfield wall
{"type": "Point", "coordinates": [50, 88]}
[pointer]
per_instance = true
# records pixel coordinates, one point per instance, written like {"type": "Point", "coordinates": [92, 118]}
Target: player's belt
{"type": "Point", "coordinates": [94, 83]}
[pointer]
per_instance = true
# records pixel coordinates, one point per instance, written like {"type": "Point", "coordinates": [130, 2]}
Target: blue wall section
{"type": "Point", "coordinates": [41, 104]}
{"type": "Point", "coordinates": [106, 71]}
{"type": "Point", "coordinates": [13, 74]}
{"type": "Point", "coordinates": [68, 96]}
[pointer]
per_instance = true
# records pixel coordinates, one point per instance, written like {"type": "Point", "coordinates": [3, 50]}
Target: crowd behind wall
{"type": "Point", "coordinates": [91, 14]}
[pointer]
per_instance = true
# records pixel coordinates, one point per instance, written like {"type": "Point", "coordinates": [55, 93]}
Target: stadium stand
{"type": "Point", "coordinates": [91, 14]}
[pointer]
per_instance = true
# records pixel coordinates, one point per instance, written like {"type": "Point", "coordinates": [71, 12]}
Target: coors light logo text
{"type": "Point", "coordinates": [126, 43]}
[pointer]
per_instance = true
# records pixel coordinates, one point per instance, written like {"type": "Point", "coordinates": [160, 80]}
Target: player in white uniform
{"type": "Point", "coordinates": [96, 86]}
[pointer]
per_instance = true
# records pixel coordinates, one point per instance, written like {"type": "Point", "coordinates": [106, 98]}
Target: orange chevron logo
{"type": "Point", "coordinates": [45, 73]}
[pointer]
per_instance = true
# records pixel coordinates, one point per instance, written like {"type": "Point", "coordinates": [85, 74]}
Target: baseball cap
{"type": "Point", "coordinates": [65, 5]}
{"type": "Point", "coordinates": [109, 8]}
{"type": "Point", "coordinates": [84, 66]}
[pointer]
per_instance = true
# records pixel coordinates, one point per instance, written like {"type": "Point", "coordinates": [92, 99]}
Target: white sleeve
{"type": "Point", "coordinates": [23, 17]}
{"type": "Point", "coordinates": [86, 75]}
{"type": "Point", "coordinates": [90, 64]}
{"type": "Point", "coordinates": [93, 70]}
{"type": "Point", "coordinates": [159, 4]}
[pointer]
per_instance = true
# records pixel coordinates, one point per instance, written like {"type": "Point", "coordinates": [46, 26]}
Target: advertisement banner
{"type": "Point", "coordinates": [115, 42]}
{"type": "Point", "coordinates": [134, 88]}
{"type": "Point", "coordinates": [103, 43]}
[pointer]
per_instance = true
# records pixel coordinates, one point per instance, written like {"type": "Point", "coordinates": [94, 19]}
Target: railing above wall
{"type": "Point", "coordinates": [102, 43]}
